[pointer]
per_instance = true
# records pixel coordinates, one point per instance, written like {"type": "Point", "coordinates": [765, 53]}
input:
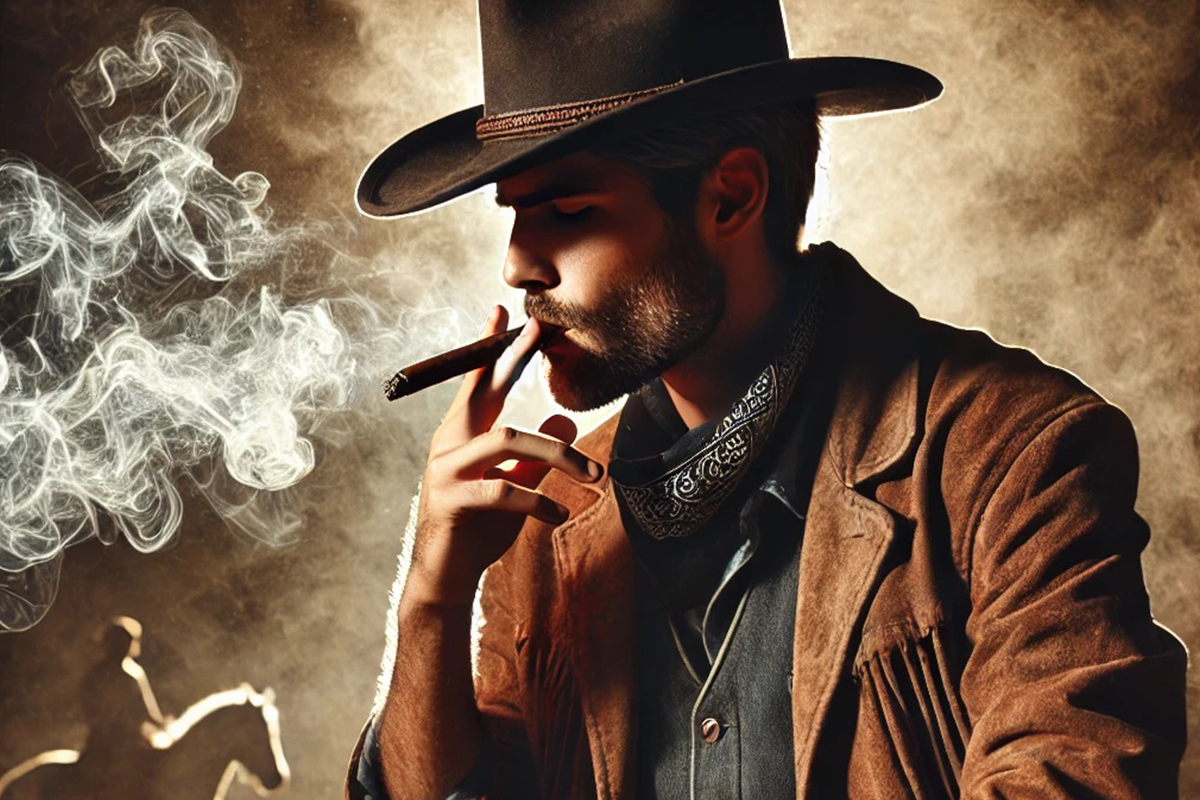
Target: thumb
{"type": "Point", "coordinates": [559, 426]}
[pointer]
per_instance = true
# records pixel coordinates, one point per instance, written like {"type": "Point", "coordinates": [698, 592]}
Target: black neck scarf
{"type": "Point", "coordinates": [672, 480]}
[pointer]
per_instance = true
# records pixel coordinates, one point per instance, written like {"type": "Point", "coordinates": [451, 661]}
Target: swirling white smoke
{"type": "Point", "coordinates": [109, 390]}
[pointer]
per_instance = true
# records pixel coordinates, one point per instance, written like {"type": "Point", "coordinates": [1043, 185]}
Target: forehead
{"type": "Point", "coordinates": [576, 174]}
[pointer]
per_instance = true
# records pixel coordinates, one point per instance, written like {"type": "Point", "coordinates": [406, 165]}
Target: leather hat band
{"type": "Point", "coordinates": [531, 122]}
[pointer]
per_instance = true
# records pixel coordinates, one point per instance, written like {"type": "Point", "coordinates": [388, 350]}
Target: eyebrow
{"type": "Point", "coordinates": [554, 191]}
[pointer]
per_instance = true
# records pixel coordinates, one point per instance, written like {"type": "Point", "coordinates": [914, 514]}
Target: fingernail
{"type": "Point", "coordinates": [595, 470]}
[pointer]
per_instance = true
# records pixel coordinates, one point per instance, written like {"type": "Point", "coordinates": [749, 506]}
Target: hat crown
{"type": "Point", "coordinates": [539, 53]}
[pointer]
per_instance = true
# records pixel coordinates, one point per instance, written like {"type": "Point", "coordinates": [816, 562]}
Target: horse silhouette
{"type": "Point", "coordinates": [133, 751]}
{"type": "Point", "coordinates": [231, 735]}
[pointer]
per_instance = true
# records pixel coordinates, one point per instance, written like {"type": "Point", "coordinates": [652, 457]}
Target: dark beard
{"type": "Point", "coordinates": [640, 328]}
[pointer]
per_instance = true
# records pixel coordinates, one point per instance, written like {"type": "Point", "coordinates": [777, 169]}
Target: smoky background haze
{"type": "Point", "coordinates": [1051, 197]}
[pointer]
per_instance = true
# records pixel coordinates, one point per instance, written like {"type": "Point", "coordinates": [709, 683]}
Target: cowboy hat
{"type": "Point", "coordinates": [559, 75]}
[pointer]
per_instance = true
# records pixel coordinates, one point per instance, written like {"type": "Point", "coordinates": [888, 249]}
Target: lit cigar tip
{"type": "Point", "coordinates": [394, 387]}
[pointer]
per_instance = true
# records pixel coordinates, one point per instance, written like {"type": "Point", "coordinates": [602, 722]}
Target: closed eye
{"type": "Point", "coordinates": [569, 214]}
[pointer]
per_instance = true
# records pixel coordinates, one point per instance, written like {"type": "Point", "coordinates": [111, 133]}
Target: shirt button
{"type": "Point", "coordinates": [710, 730]}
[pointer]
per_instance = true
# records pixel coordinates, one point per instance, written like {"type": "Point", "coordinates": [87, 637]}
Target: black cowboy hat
{"type": "Point", "coordinates": [559, 75]}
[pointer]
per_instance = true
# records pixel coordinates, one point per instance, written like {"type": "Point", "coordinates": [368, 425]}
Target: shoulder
{"type": "Point", "coordinates": [967, 369]}
{"type": "Point", "coordinates": [884, 346]}
{"type": "Point", "coordinates": [972, 389]}
{"type": "Point", "coordinates": [995, 416]}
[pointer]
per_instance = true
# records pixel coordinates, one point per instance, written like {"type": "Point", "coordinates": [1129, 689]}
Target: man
{"type": "Point", "coordinates": [826, 548]}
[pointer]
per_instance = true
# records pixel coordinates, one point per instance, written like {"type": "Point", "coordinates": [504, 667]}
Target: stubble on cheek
{"type": "Point", "coordinates": [637, 332]}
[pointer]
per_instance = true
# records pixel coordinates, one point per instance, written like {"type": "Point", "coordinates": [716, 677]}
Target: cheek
{"type": "Point", "coordinates": [593, 265]}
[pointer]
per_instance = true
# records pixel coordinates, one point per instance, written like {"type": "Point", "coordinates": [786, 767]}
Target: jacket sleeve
{"type": "Point", "coordinates": [505, 767]}
{"type": "Point", "coordinates": [364, 780]}
{"type": "Point", "coordinates": [1073, 690]}
{"type": "Point", "coordinates": [499, 693]}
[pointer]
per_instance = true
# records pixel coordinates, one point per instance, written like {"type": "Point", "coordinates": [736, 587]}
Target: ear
{"type": "Point", "coordinates": [736, 191]}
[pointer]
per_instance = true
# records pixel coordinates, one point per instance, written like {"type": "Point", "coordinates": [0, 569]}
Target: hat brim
{"type": "Point", "coordinates": [444, 159]}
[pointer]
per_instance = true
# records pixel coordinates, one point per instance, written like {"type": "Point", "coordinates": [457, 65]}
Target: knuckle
{"type": "Point", "coordinates": [435, 473]}
{"type": "Point", "coordinates": [496, 491]}
{"type": "Point", "coordinates": [444, 467]}
{"type": "Point", "coordinates": [507, 434]}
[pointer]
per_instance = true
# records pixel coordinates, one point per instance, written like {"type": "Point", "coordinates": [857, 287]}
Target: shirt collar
{"type": "Point", "coordinates": [655, 427]}
{"type": "Point", "coordinates": [783, 480]}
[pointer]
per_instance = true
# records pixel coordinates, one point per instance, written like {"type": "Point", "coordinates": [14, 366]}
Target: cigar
{"type": "Point", "coordinates": [459, 361]}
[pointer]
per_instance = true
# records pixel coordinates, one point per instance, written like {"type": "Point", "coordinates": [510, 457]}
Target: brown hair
{"type": "Point", "coordinates": [675, 159]}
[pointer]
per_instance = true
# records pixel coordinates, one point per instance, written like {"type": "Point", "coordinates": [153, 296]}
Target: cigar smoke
{"type": "Point", "coordinates": [111, 389]}
{"type": "Point", "coordinates": [1015, 203]}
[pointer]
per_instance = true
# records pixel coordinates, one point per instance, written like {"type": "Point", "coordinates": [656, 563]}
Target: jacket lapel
{"type": "Point", "coordinates": [845, 540]}
{"type": "Point", "coordinates": [595, 563]}
{"type": "Point", "coordinates": [872, 427]}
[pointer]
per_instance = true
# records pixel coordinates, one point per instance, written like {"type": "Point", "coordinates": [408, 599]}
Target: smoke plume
{"type": "Point", "coordinates": [111, 387]}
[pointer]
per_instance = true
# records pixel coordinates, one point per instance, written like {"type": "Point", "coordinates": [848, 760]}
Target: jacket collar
{"type": "Point", "coordinates": [871, 341]}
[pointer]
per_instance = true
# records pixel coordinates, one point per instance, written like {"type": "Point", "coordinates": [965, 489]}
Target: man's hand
{"type": "Point", "coordinates": [470, 510]}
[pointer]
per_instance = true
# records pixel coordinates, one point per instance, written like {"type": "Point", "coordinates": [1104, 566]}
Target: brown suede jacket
{"type": "Point", "coordinates": [971, 616]}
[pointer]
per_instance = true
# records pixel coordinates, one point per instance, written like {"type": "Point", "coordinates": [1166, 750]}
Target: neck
{"type": "Point", "coordinates": [758, 306]}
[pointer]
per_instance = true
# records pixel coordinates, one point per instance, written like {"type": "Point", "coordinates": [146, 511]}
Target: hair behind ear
{"type": "Point", "coordinates": [675, 159]}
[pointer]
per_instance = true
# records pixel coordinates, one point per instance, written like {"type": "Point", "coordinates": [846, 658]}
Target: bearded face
{"type": "Point", "coordinates": [645, 322]}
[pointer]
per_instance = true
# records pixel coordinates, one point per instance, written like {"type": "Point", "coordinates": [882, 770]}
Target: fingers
{"type": "Point", "coordinates": [497, 321]}
{"type": "Point", "coordinates": [501, 495]}
{"type": "Point", "coordinates": [513, 361]}
{"type": "Point", "coordinates": [504, 443]}
{"type": "Point", "coordinates": [482, 393]}
{"type": "Point", "coordinates": [530, 473]}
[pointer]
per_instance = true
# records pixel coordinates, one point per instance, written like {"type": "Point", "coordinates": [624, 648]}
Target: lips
{"type": "Point", "coordinates": [556, 343]}
{"type": "Point", "coordinates": [553, 334]}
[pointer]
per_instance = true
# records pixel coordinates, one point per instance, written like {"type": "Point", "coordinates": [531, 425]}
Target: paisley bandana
{"type": "Point", "coordinates": [673, 493]}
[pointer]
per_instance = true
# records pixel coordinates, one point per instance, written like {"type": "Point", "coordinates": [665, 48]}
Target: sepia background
{"type": "Point", "coordinates": [1051, 198]}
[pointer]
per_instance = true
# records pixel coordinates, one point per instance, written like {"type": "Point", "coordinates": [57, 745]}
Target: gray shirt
{"type": "Point", "coordinates": [715, 646]}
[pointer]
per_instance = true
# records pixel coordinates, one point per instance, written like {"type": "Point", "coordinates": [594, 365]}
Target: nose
{"type": "Point", "coordinates": [526, 266]}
